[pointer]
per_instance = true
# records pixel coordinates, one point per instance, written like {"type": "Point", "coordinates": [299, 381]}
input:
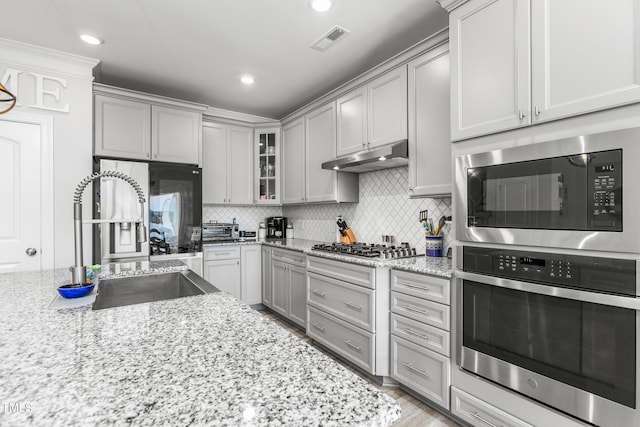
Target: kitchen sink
{"type": "Point", "coordinates": [130, 290]}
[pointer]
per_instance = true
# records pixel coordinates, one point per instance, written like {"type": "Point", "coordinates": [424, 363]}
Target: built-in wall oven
{"type": "Point", "coordinates": [547, 293]}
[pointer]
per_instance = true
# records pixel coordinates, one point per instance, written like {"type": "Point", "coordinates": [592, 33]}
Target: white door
{"type": "Point", "coordinates": [387, 108]}
{"type": "Point", "coordinates": [214, 163]}
{"type": "Point", "coordinates": [293, 178]}
{"type": "Point", "coordinates": [21, 173]}
{"type": "Point", "coordinates": [352, 121]}
{"type": "Point", "coordinates": [240, 165]}
{"type": "Point", "coordinates": [320, 126]}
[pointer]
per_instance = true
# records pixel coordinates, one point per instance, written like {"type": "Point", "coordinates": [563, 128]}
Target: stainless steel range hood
{"type": "Point", "coordinates": [388, 156]}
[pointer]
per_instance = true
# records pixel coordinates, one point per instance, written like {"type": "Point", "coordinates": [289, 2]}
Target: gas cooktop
{"type": "Point", "coordinates": [364, 250]}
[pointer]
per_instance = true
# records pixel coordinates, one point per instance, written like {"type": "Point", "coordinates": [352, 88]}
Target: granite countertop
{"type": "Point", "coordinates": [436, 266]}
{"type": "Point", "coordinates": [199, 360]}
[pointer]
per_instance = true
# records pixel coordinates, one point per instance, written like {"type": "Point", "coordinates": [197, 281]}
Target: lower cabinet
{"type": "Point", "coordinates": [347, 306]}
{"type": "Point", "coordinates": [288, 285]}
{"type": "Point", "coordinates": [480, 413]}
{"type": "Point", "coordinates": [420, 336]}
{"type": "Point", "coordinates": [234, 269]}
{"type": "Point", "coordinates": [266, 276]}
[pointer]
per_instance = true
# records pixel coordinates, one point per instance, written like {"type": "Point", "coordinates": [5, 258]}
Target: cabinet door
{"type": "Point", "coordinates": [293, 169]}
{"type": "Point", "coordinates": [240, 165]}
{"type": "Point", "coordinates": [266, 276]}
{"type": "Point", "coordinates": [387, 108]}
{"type": "Point", "coordinates": [298, 295]}
{"type": "Point", "coordinates": [251, 274]}
{"type": "Point", "coordinates": [429, 138]}
{"type": "Point", "coordinates": [214, 163]}
{"type": "Point", "coordinates": [175, 135]}
{"type": "Point", "coordinates": [122, 128]}
{"type": "Point", "coordinates": [280, 287]}
{"type": "Point", "coordinates": [490, 63]}
{"type": "Point", "coordinates": [224, 275]}
{"type": "Point", "coordinates": [585, 56]}
{"type": "Point", "coordinates": [352, 121]}
{"type": "Point", "coordinates": [267, 166]}
{"type": "Point", "coordinates": [320, 126]}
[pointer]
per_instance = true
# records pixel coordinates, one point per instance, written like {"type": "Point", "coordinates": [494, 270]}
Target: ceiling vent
{"type": "Point", "coordinates": [331, 37]}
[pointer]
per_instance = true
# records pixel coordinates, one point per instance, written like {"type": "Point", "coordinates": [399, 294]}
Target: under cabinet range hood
{"type": "Point", "coordinates": [388, 156]}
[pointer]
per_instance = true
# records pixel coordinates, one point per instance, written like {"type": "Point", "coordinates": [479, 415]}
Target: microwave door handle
{"type": "Point", "coordinates": [552, 291]}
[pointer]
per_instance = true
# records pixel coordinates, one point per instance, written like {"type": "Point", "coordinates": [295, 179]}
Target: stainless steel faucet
{"type": "Point", "coordinates": [79, 270]}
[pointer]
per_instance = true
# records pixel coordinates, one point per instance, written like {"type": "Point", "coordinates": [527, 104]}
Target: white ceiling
{"type": "Point", "coordinates": [197, 49]}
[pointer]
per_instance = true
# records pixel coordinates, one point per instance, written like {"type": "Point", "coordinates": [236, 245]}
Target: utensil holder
{"type": "Point", "coordinates": [434, 246]}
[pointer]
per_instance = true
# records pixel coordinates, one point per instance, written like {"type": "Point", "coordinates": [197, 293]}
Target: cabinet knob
{"type": "Point", "coordinates": [148, 155]}
{"type": "Point", "coordinates": [520, 114]}
{"type": "Point", "coordinates": [155, 156]}
{"type": "Point", "coordinates": [31, 251]}
{"type": "Point", "coordinates": [536, 110]}
{"type": "Point", "coordinates": [410, 190]}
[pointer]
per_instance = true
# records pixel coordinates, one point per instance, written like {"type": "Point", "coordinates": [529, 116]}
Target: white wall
{"type": "Point", "coordinates": [65, 99]}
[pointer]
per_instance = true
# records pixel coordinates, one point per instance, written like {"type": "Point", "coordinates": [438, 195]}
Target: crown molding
{"type": "Point", "coordinates": [431, 42]}
{"type": "Point", "coordinates": [218, 114]}
{"type": "Point", "coordinates": [449, 5]}
{"type": "Point", "coordinates": [150, 98]}
{"type": "Point", "coordinates": [28, 55]}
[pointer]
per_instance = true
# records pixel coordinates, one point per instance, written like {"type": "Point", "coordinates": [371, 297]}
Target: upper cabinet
{"type": "Point", "coordinates": [515, 63]}
{"type": "Point", "coordinates": [429, 138]}
{"type": "Point", "coordinates": [267, 155]}
{"type": "Point", "coordinates": [307, 142]}
{"type": "Point", "coordinates": [130, 128]}
{"type": "Point", "coordinates": [374, 114]}
{"type": "Point", "coordinates": [227, 164]}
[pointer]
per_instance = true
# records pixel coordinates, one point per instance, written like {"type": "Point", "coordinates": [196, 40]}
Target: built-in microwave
{"type": "Point", "coordinates": [567, 193]}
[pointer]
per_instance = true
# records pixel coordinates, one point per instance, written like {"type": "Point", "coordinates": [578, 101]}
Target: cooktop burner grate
{"type": "Point", "coordinates": [364, 250]}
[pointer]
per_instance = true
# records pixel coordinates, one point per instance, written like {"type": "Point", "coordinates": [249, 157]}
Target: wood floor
{"type": "Point", "coordinates": [414, 412]}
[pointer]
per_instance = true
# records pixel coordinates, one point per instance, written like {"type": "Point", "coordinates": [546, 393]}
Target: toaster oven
{"type": "Point", "coordinates": [219, 232]}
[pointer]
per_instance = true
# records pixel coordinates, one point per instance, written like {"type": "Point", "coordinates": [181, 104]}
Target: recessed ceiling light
{"type": "Point", "coordinates": [91, 39]}
{"type": "Point", "coordinates": [247, 79]}
{"type": "Point", "coordinates": [321, 5]}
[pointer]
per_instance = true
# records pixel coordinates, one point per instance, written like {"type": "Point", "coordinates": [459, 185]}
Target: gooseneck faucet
{"type": "Point", "coordinates": [79, 270]}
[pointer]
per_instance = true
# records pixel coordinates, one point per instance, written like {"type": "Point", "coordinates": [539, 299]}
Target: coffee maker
{"type": "Point", "coordinates": [276, 227]}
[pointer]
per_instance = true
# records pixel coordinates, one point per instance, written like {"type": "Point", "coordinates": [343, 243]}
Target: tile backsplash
{"type": "Point", "coordinates": [384, 208]}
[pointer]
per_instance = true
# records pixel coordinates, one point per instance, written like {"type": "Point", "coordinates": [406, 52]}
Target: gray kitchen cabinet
{"type": "Point", "coordinates": [267, 166]}
{"type": "Point", "coordinates": [307, 143]}
{"type": "Point", "coordinates": [222, 268]}
{"type": "Point", "coordinates": [348, 311]}
{"type": "Point", "coordinates": [429, 124]}
{"type": "Point", "coordinates": [267, 287]}
{"type": "Point", "coordinates": [293, 164]}
{"type": "Point", "coordinates": [420, 334]}
{"type": "Point", "coordinates": [479, 413]}
{"type": "Point", "coordinates": [137, 128]}
{"type": "Point", "coordinates": [320, 146]}
{"type": "Point", "coordinates": [539, 63]}
{"type": "Point", "coordinates": [288, 281]}
{"type": "Point", "coordinates": [251, 274]}
{"type": "Point", "coordinates": [374, 114]}
{"type": "Point", "coordinates": [235, 269]}
{"type": "Point", "coordinates": [227, 164]}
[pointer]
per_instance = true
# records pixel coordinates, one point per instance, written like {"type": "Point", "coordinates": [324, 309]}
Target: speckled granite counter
{"type": "Point", "coordinates": [202, 360]}
{"type": "Point", "coordinates": [437, 266]}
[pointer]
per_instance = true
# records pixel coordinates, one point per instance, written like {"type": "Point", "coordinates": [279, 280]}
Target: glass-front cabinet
{"type": "Point", "coordinates": [268, 166]}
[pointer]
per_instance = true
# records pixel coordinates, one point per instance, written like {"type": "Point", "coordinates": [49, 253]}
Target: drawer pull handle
{"type": "Point", "coordinates": [355, 347]}
{"type": "Point", "coordinates": [415, 310]}
{"type": "Point", "coordinates": [410, 366]}
{"type": "Point", "coordinates": [410, 332]}
{"type": "Point", "coordinates": [319, 293]}
{"type": "Point", "coordinates": [409, 285]}
{"type": "Point", "coordinates": [277, 255]}
{"type": "Point", "coordinates": [300, 260]}
{"type": "Point", "coordinates": [477, 416]}
{"type": "Point", "coordinates": [221, 253]}
{"type": "Point", "coordinates": [355, 307]}
{"type": "Point", "coordinates": [317, 326]}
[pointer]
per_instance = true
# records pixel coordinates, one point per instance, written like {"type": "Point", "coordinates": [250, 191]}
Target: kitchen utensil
{"type": "Point", "coordinates": [440, 225]}
{"type": "Point", "coordinates": [431, 227]}
{"type": "Point", "coordinates": [423, 216]}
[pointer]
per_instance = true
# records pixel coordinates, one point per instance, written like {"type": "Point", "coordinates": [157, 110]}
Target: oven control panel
{"type": "Point", "coordinates": [604, 180]}
{"type": "Point", "coordinates": [584, 272]}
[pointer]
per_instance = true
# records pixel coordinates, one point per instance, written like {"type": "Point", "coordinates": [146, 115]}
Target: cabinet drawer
{"type": "Point", "coordinates": [479, 413]}
{"type": "Point", "coordinates": [353, 273]}
{"type": "Point", "coordinates": [419, 285]}
{"type": "Point", "coordinates": [221, 252]}
{"type": "Point", "coordinates": [345, 339]}
{"type": "Point", "coordinates": [352, 303]}
{"type": "Point", "coordinates": [291, 257]}
{"type": "Point", "coordinates": [429, 312]}
{"type": "Point", "coordinates": [422, 370]}
{"type": "Point", "coordinates": [417, 332]}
